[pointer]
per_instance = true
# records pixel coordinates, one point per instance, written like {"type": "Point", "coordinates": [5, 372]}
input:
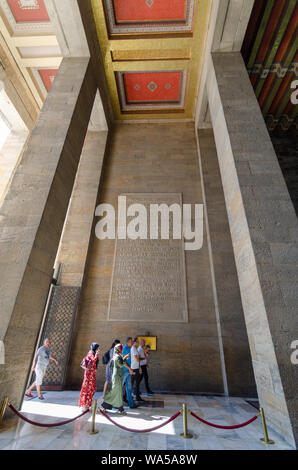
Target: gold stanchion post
{"type": "Point", "coordinates": [5, 404]}
{"type": "Point", "coordinates": [185, 433]}
{"type": "Point", "coordinates": [265, 439]}
{"type": "Point", "coordinates": [93, 430]}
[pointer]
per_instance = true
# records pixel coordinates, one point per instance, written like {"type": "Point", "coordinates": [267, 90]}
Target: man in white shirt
{"type": "Point", "coordinates": [135, 365]}
{"type": "Point", "coordinates": [144, 367]}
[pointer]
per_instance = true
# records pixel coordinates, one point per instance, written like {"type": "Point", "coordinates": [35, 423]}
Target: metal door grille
{"type": "Point", "coordinates": [59, 327]}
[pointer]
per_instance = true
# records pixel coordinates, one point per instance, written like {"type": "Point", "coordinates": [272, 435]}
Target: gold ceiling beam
{"type": "Point", "coordinates": [155, 43]}
{"type": "Point", "coordinates": [152, 65]}
{"type": "Point", "coordinates": [150, 54]}
{"type": "Point", "coordinates": [35, 40]}
{"type": "Point", "coordinates": [46, 62]}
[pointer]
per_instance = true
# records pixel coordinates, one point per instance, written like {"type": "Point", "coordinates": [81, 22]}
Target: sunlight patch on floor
{"type": "Point", "coordinates": [50, 409]}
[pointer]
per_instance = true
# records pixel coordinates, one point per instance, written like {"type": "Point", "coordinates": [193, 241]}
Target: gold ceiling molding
{"type": "Point", "coordinates": [151, 54]}
{"type": "Point", "coordinates": [147, 54]}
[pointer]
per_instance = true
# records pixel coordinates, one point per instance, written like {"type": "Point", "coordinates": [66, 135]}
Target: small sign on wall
{"type": "Point", "coordinates": [149, 341]}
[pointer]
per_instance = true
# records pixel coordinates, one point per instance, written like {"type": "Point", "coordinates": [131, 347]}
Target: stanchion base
{"type": "Point", "coordinates": [186, 436]}
{"type": "Point", "coordinates": [267, 442]}
{"type": "Point", "coordinates": [93, 432]}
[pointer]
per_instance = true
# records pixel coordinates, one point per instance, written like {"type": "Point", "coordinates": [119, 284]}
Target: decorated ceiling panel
{"type": "Point", "coordinates": [149, 10]}
{"type": "Point", "coordinates": [26, 16]}
{"type": "Point", "coordinates": [152, 87]}
{"type": "Point", "coordinates": [149, 16]}
{"type": "Point", "coordinates": [25, 11]}
{"type": "Point", "coordinates": [161, 90]}
{"type": "Point", "coordinates": [152, 51]}
{"type": "Point", "coordinates": [270, 52]}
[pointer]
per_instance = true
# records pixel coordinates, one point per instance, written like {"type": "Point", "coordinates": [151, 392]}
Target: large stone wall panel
{"type": "Point", "coordinates": [151, 158]}
{"type": "Point", "coordinates": [234, 336]}
{"type": "Point", "coordinates": [38, 198]}
{"type": "Point", "coordinates": [262, 222]}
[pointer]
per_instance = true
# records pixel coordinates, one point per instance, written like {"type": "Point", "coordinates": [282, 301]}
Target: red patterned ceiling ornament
{"type": "Point", "coordinates": [149, 16]}
{"type": "Point", "coordinates": [28, 4]}
{"type": "Point", "coordinates": [160, 90]}
{"type": "Point", "coordinates": [29, 11]}
{"type": "Point", "coordinates": [149, 3]}
{"type": "Point", "coordinates": [152, 86]}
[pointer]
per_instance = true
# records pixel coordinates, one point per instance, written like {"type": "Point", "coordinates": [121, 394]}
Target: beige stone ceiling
{"type": "Point", "coordinates": [29, 46]}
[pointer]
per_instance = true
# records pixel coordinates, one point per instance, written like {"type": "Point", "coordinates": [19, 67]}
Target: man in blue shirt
{"type": "Point", "coordinates": [127, 373]}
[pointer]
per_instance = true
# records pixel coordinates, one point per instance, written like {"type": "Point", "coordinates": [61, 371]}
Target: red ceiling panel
{"type": "Point", "coordinates": [151, 87]}
{"type": "Point", "coordinates": [149, 10]}
{"type": "Point", "coordinates": [48, 76]}
{"type": "Point", "coordinates": [141, 17]}
{"type": "Point", "coordinates": [29, 11]}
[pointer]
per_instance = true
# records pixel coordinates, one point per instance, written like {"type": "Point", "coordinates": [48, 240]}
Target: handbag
{"type": "Point", "coordinates": [86, 363]}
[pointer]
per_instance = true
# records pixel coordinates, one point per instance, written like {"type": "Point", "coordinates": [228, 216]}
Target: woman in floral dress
{"type": "Point", "coordinates": [89, 383]}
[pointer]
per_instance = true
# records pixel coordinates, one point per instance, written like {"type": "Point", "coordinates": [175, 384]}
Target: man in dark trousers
{"type": "Point", "coordinates": [128, 374]}
{"type": "Point", "coordinates": [144, 366]}
{"type": "Point", "coordinates": [135, 365]}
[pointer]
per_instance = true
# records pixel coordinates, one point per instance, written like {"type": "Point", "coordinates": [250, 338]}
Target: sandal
{"type": "Point", "coordinates": [29, 395]}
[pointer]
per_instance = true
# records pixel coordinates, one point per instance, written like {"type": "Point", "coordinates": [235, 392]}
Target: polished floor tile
{"type": "Point", "coordinates": [59, 406]}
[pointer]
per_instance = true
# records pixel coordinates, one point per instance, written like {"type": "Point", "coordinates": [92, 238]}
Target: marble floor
{"type": "Point", "coordinates": [58, 406]}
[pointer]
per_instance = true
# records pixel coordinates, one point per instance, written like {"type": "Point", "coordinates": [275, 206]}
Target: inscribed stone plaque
{"type": "Point", "coordinates": [149, 281]}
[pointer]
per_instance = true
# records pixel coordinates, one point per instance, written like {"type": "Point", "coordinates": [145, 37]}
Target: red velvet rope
{"type": "Point", "coordinates": [43, 425]}
{"type": "Point", "coordinates": [236, 426]}
{"type": "Point", "coordinates": [141, 430]}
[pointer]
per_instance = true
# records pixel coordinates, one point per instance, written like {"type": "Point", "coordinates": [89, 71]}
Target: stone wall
{"type": "Point", "coordinates": [264, 231]}
{"type": "Point", "coordinates": [32, 217]}
{"type": "Point", "coordinates": [10, 154]}
{"type": "Point", "coordinates": [286, 147]}
{"type": "Point", "coordinates": [240, 378]}
{"type": "Point", "coordinates": [75, 238]}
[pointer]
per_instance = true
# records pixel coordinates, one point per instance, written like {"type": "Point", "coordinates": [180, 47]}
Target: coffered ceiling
{"type": "Point", "coordinates": [152, 52]}
{"type": "Point", "coordinates": [28, 40]}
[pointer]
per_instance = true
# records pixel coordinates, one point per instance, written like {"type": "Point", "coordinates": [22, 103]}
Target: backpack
{"type": "Point", "coordinates": [106, 357]}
